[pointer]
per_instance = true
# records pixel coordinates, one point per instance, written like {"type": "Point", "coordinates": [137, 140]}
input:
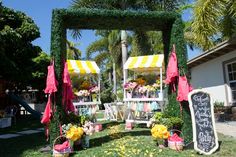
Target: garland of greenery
{"type": "Point", "coordinates": [177, 38]}
{"type": "Point", "coordinates": [63, 19]}
{"type": "Point", "coordinates": [58, 50]}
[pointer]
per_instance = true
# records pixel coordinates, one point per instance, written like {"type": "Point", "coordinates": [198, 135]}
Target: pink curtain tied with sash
{"type": "Point", "coordinates": [67, 91]}
{"type": "Point", "coordinates": [183, 89]}
{"type": "Point", "coordinates": [51, 87]}
{"type": "Point", "coordinates": [172, 68]}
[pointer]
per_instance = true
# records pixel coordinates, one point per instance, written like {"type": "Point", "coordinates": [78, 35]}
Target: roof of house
{"type": "Point", "coordinates": [217, 51]}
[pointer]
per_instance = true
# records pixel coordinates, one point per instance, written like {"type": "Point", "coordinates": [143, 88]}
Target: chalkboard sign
{"type": "Point", "coordinates": [203, 122]}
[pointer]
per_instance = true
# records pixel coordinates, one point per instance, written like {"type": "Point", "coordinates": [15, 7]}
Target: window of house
{"type": "Point", "coordinates": [231, 68]}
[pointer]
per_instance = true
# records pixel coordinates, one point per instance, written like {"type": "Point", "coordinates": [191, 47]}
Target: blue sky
{"type": "Point", "coordinates": [41, 11]}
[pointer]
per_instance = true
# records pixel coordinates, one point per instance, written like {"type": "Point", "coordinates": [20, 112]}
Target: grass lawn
{"type": "Point", "coordinates": [113, 141]}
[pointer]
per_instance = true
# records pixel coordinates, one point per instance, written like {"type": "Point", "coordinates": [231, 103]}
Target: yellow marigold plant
{"type": "Point", "coordinates": [160, 132]}
{"type": "Point", "coordinates": [74, 133]}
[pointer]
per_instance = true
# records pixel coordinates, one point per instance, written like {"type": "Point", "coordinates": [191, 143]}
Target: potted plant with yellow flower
{"type": "Point", "coordinates": [72, 132]}
{"type": "Point", "coordinates": [161, 134]}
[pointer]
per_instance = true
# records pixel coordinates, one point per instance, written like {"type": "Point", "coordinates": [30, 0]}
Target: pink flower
{"type": "Point", "coordinates": [88, 128]}
{"type": "Point", "coordinates": [130, 85]}
{"type": "Point", "coordinates": [94, 89]}
{"type": "Point", "coordinates": [82, 93]}
{"type": "Point", "coordinates": [142, 89]}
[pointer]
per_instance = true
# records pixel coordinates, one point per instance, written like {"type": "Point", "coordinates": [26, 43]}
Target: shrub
{"type": "Point", "coordinates": [169, 122]}
{"type": "Point", "coordinates": [176, 122]}
{"type": "Point", "coordinates": [218, 106]}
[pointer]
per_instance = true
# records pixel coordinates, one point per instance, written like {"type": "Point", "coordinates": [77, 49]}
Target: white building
{"type": "Point", "coordinates": [215, 72]}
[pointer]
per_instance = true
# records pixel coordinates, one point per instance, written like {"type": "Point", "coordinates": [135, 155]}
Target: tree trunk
{"type": "Point", "coordinates": [124, 53]}
{"type": "Point", "coordinates": [114, 79]}
{"type": "Point", "coordinates": [110, 78]}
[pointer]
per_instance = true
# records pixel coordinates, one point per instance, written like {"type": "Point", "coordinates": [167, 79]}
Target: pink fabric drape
{"type": "Point", "coordinates": [47, 112]}
{"type": "Point", "coordinates": [172, 68]}
{"type": "Point", "coordinates": [67, 90]}
{"type": "Point", "coordinates": [183, 89]}
{"type": "Point", "coordinates": [63, 146]}
{"type": "Point", "coordinates": [51, 84]}
{"type": "Point", "coordinates": [51, 87]}
{"type": "Point", "coordinates": [175, 138]}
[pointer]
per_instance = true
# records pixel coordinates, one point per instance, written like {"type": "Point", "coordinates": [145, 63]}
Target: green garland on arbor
{"type": "Point", "coordinates": [169, 23]}
{"type": "Point", "coordinates": [58, 50]}
{"type": "Point", "coordinates": [173, 107]}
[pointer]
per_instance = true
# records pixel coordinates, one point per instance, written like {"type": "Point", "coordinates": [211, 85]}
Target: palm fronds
{"type": "Point", "coordinates": [213, 22]}
{"type": "Point", "coordinates": [99, 45]}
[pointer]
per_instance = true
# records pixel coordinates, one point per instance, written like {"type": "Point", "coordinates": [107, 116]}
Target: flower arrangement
{"type": "Point", "coordinates": [83, 93]}
{"type": "Point", "coordinates": [72, 132]}
{"type": "Point", "coordinates": [88, 128]}
{"type": "Point", "coordinates": [94, 89]}
{"type": "Point", "coordinates": [150, 88]}
{"type": "Point", "coordinates": [160, 132]}
{"type": "Point", "coordinates": [156, 85]}
{"type": "Point", "coordinates": [142, 89]}
{"type": "Point", "coordinates": [140, 81]}
{"type": "Point", "coordinates": [85, 85]}
{"type": "Point", "coordinates": [130, 86]}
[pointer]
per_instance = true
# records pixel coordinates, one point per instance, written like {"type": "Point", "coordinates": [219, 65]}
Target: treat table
{"type": "Point", "coordinates": [142, 99]}
{"type": "Point", "coordinates": [87, 108]}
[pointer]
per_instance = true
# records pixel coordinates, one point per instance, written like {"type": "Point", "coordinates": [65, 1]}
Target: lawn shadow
{"type": "Point", "coordinates": [189, 146]}
{"type": "Point", "coordinates": [96, 142]}
{"type": "Point", "coordinates": [17, 146]}
{"type": "Point", "coordinates": [108, 124]}
{"type": "Point", "coordinates": [23, 122]}
{"type": "Point", "coordinates": [220, 143]}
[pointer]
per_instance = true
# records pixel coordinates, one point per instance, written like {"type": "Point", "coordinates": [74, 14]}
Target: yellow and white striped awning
{"type": "Point", "coordinates": [145, 63]}
{"type": "Point", "coordinates": [82, 67]}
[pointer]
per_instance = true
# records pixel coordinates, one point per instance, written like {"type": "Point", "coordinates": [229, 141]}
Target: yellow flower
{"type": "Point", "coordinates": [74, 133]}
{"type": "Point", "coordinates": [140, 81]}
{"type": "Point", "coordinates": [160, 132]}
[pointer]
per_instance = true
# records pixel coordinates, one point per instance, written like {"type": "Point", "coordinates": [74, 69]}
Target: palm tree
{"type": "Point", "coordinates": [72, 51]}
{"type": "Point", "coordinates": [213, 22]}
{"type": "Point", "coordinates": [109, 52]}
{"type": "Point", "coordinates": [148, 5]}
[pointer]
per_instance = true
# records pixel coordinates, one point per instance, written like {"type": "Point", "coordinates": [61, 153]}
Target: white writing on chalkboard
{"type": "Point", "coordinates": [201, 100]}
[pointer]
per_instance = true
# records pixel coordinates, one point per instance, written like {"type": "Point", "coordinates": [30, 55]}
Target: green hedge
{"type": "Point", "coordinates": [169, 23]}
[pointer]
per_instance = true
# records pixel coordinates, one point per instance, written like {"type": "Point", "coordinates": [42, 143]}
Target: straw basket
{"type": "Point", "coordinates": [63, 153]}
{"type": "Point", "coordinates": [176, 145]}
